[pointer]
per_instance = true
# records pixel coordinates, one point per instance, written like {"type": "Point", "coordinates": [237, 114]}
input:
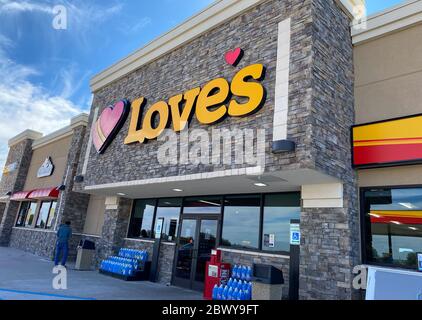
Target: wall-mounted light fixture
{"type": "Point", "coordinates": [79, 179]}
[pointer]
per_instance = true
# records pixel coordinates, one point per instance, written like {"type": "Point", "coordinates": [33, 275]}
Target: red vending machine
{"type": "Point", "coordinates": [216, 273]}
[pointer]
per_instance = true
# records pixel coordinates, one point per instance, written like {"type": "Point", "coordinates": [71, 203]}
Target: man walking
{"type": "Point", "coordinates": [62, 248]}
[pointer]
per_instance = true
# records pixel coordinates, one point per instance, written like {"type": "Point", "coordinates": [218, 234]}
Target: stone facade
{"type": "Point", "coordinates": [73, 205]}
{"type": "Point", "coordinates": [321, 112]}
{"type": "Point", "coordinates": [20, 154]}
{"type": "Point", "coordinates": [2, 207]}
{"type": "Point", "coordinates": [195, 64]}
{"type": "Point", "coordinates": [166, 258]}
{"type": "Point", "coordinates": [114, 231]}
{"type": "Point", "coordinates": [330, 237]}
{"type": "Point", "coordinates": [70, 206]}
{"type": "Point", "coordinates": [249, 258]}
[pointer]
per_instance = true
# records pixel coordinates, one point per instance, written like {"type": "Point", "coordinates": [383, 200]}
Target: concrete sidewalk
{"type": "Point", "coordinates": [24, 276]}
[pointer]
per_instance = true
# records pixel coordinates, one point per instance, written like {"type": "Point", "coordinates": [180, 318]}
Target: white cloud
{"type": "Point", "coordinates": [21, 6]}
{"type": "Point", "coordinates": [137, 27]}
{"type": "Point", "coordinates": [25, 105]}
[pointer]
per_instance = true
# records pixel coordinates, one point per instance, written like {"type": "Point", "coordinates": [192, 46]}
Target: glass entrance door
{"type": "Point", "coordinates": [198, 236]}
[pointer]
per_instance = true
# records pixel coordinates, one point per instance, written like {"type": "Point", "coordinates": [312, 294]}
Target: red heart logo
{"type": "Point", "coordinates": [109, 124]}
{"type": "Point", "coordinates": [233, 57]}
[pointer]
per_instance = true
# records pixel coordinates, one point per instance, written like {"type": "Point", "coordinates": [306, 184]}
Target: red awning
{"type": "Point", "coordinates": [21, 196]}
{"type": "Point", "coordinates": [44, 193]}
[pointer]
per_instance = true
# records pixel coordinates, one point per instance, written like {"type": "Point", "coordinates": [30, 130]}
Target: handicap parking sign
{"type": "Point", "coordinates": [295, 234]}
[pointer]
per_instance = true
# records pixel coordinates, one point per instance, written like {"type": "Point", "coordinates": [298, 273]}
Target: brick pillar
{"type": "Point", "coordinates": [116, 220]}
{"type": "Point", "coordinates": [73, 206]}
{"type": "Point", "coordinates": [19, 158]}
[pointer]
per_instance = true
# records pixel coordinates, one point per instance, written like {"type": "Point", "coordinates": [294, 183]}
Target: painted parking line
{"type": "Point", "coordinates": [43, 294]}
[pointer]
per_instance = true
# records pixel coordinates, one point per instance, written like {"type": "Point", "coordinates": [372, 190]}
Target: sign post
{"type": "Point", "coordinates": [295, 237]}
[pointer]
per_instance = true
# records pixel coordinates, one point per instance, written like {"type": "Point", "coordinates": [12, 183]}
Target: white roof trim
{"type": "Point", "coordinates": [26, 135]}
{"type": "Point", "coordinates": [79, 120]}
{"type": "Point", "coordinates": [207, 19]}
{"type": "Point", "coordinates": [391, 20]}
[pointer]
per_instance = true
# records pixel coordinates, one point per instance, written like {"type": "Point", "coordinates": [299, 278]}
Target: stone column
{"type": "Point", "coordinates": [116, 220]}
{"type": "Point", "coordinates": [330, 215]}
{"type": "Point", "coordinates": [72, 205]}
{"type": "Point", "coordinates": [2, 208]}
{"type": "Point", "coordinates": [18, 159]}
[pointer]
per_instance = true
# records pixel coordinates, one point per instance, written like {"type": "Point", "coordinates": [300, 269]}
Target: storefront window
{"type": "Point", "coordinates": [204, 205]}
{"type": "Point", "coordinates": [393, 226]}
{"type": "Point", "coordinates": [30, 214]}
{"type": "Point", "coordinates": [278, 211]}
{"type": "Point", "coordinates": [169, 210]}
{"type": "Point", "coordinates": [241, 222]}
{"type": "Point", "coordinates": [43, 215]}
{"type": "Point", "coordinates": [52, 215]}
{"type": "Point", "coordinates": [23, 210]}
{"type": "Point", "coordinates": [142, 219]}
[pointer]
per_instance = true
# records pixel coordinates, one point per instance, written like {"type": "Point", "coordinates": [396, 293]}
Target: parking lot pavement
{"type": "Point", "coordinates": [24, 276]}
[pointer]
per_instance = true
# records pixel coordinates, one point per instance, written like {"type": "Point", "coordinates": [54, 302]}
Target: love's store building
{"type": "Point", "coordinates": [249, 118]}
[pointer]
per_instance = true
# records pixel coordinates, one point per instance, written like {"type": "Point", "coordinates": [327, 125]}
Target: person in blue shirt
{"type": "Point", "coordinates": [62, 247]}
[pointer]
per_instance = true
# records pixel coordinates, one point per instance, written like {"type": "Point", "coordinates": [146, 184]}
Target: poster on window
{"type": "Point", "coordinates": [269, 240]}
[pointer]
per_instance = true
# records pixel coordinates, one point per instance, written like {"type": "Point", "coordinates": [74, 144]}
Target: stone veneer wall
{"type": "Point", "coordinates": [330, 237]}
{"type": "Point", "coordinates": [249, 259]}
{"type": "Point", "coordinates": [73, 206]}
{"type": "Point", "coordinates": [2, 207]}
{"type": "Point", "coordinates": [166, 259]}
{"type": "Point", "coordinates": [114, 230]}
{"type": "Point", "coordinates": [20, 153]}
{"type": "Point", "coordinates": [42, 243]}
{"type": "Point", "coordinates": [195, 64]}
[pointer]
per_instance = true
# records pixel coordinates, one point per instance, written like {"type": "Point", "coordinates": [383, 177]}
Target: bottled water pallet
{"type": "Point", "coordinates": [138, 276]}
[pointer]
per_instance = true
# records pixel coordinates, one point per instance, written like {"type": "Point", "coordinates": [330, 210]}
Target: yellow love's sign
{"type": "Point", "coordinates": [211, 104]}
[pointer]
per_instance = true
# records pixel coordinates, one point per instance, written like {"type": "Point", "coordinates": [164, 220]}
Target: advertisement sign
{"type": "Point", "coordinates": [419, 261]}
{"type": "Point", "coordinates": [47, 169]}
{"type": "Point", "coordinates": [10, 168]}
{"type": "Point", "coordinates": [159, 228]}
{"type": "Point", "coordinates": [269, 240]}
{"type": "Point", "coordinates": [295, 234]}
{"type": "Point", "coordinates": [387, 143]}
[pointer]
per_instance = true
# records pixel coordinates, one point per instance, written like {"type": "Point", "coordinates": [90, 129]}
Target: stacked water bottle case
{"type": "Point", "coordinates": [238, 287]}
{"type": "Point", "coordinates": [129, 265]}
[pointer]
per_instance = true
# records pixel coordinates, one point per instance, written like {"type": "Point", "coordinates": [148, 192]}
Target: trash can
{"type": "Point", "coordinates": [85, 255]}
{"type": "Point", "coordinates": [267, 282]}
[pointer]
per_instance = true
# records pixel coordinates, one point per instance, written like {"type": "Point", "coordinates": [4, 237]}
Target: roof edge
{"type": "Point", "coordinates": [216, 13]}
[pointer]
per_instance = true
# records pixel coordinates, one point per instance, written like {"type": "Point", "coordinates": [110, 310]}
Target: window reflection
{"type": "Point", "coordinates": [241, 222]}
{"type": "Point", "coordinates": [169, 210]}
{"type": "Point", "coordinates": [393, 226]}
{"type": "Point", "coordinates": [204, 205]}
{"type": "Point", "coordinates": [142, 219]}
{"type": "Point", "coordinates": [278, 211]}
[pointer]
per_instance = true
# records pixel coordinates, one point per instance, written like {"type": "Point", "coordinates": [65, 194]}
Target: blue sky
{"type": "Point", "coordinates": [44, 72]}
